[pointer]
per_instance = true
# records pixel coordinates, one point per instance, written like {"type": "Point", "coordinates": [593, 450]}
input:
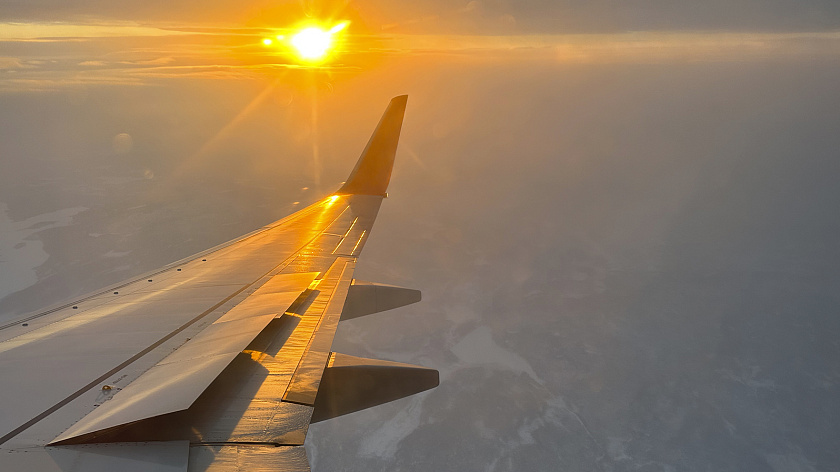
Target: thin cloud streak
{"type": "Point", "coordinates": [131, 53]}
{"type": "Point", "coordinates": [28, 31]}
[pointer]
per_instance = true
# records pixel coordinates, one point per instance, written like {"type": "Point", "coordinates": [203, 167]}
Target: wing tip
{"type": "Point", "coordinates": [372, 172]}
{"type": "Point", "coordinates": [400, 100]}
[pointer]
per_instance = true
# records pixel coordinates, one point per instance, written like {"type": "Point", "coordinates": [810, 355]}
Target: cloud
{"type": "Point", "coordinates": [51, 83]}
{"type": "Point", "coordinates": [153, 62]}
{"type": "Point", "coordinates": [479, 348]}
{"type": "Point", "coordinates": [384, 442]}
{"type": "Point", "coordinates": [627, 47]}
{"type": "Point", "coordinates": [36, 30]}
{"type": "Point", "coordinates": [22, 251]}
{"type": "Point", "coordinates": [69, 54]}
{"type": "Point", "coordinates": [10, 63]}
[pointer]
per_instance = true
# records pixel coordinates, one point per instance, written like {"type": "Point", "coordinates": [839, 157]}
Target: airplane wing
{"type": "Point", "coordinates": [218, 362]}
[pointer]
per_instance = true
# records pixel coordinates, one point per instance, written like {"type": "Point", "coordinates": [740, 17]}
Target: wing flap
{"type": "Point", "coordinates": [251, 458]}
{"type": "Point", "coordinates": [303, 386]}
{"type": "Point", "coordinates": [175, 383]}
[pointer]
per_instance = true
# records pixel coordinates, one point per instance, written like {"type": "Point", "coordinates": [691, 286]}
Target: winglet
{"type": "Point", "coordinates": [373, 170]}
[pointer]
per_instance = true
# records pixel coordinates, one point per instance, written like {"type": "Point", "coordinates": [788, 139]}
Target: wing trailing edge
{"type": "Point", "coordinates": [373, 169]}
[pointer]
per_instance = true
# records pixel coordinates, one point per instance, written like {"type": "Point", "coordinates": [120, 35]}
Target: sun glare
{"type": "Point", "coordinates": [312, 43]}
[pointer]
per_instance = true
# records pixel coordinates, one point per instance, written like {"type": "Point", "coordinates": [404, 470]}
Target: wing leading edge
{"type": "Point", "coordinates": [220, 359]}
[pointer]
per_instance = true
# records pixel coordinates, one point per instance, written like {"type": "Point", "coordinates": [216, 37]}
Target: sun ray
{"type": "Point", "coordinates": [223, 133]}
{"type": "Point", "coordinates": [316, 157]}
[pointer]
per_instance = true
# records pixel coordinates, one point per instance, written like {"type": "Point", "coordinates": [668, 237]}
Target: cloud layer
{"type": "Point", "coordinates": [43, 57]}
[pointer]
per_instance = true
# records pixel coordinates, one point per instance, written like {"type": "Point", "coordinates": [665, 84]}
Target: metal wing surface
{"type": "Point", "coordinates": [217, 362]}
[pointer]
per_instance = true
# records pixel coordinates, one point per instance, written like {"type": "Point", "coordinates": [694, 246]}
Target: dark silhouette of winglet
{"type": "Point", "coordinates": [373, 170]}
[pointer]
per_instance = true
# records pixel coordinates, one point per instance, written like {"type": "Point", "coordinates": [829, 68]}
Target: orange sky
{"type": "Point", "coordinates": [48, 55]}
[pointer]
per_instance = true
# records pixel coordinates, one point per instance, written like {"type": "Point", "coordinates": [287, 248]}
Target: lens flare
{"type": "Point", "coordinates": [339, 27]}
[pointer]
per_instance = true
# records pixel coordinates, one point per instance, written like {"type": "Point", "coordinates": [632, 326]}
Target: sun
{"type": "Point", "coordinates": [313, 43]}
